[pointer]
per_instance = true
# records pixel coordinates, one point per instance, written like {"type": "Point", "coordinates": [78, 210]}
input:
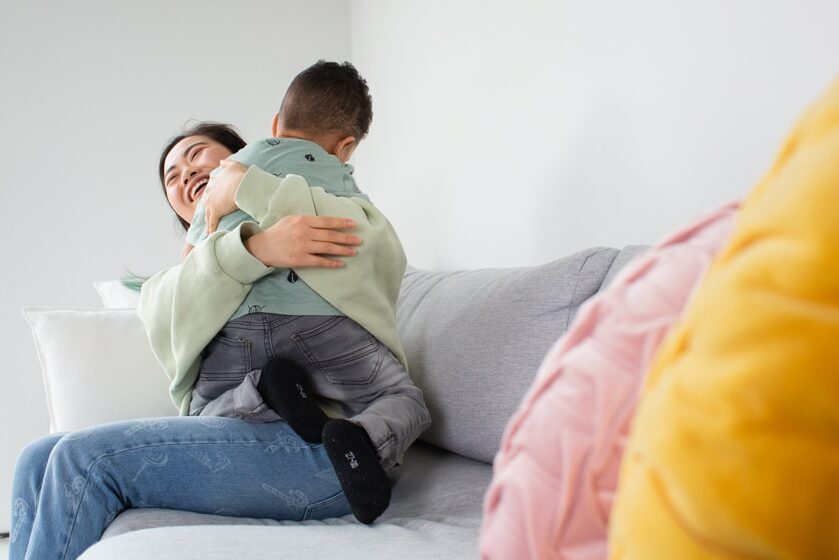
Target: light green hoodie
{"type": "Point", "coordinates": [185, 306]}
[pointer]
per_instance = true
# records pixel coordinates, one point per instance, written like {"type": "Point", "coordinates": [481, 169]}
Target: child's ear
{"type": "Point", "coordinates": [345, 148]}
{"type": "Point", "coordinates": [275, 125]}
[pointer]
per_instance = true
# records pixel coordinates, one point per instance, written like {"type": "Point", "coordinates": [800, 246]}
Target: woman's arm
{"type": "Point", "coordinates": [304, 242]}
{"type": "Point", "coordinates": [292, 239]}
{"type": "Point", "coordinates": [183, 307]}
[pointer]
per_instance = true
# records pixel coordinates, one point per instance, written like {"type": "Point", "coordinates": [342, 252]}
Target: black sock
{"type": "Point", "coordinates": [284, 388]}
{"type": "Point", "coordinates": [364, 481]}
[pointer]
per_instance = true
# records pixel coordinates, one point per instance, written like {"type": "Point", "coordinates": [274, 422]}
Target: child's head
{"type": "Point", "coordinates": [327, 103]}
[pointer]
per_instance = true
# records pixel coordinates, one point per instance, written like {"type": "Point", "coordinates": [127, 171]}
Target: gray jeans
{"type": "Point", "coordinates": [344, 363]}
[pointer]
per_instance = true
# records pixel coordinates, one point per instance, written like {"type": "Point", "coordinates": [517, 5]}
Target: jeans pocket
{"type": "Point", "coordinates": [225, 362]}
{"type": "Point", "coordinates": [342, 351]}
{"type": "Point", "coordinates": [333, 506]}
{"type": "Point", "coordinates": [227, 356]}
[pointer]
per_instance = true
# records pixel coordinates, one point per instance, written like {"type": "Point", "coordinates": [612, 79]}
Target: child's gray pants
{"type": "Point", "coordinates": [343, 362]}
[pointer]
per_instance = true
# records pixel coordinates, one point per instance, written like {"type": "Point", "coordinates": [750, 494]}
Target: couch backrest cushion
{"type": "Point", "coordinates": [475, 339]}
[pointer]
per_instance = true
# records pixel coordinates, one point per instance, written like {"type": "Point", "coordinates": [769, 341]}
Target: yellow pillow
{"type": "Point", "coordinates": [734, 450]}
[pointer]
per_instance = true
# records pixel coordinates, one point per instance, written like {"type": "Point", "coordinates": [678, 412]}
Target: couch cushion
{"type": "Point", "coordinates": [435, 513]}
{"type": "Point", "coordinates": [474, 340]}
{"type": "Point", "coordinates": [734, 450]}
{"type": "Point", "coordinates": [424, 541]}
{"type": "Point", "coordinates": [87, 354]}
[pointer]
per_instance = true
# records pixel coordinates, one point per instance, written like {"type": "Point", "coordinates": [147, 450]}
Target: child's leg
{"type": "Point", "coordinates": [390, 414]}
{"type": "Point", "coordinates": [364, 481]}
{"type": "Point", "coordinates": [350, 366]}
{"type": "Point", "coordinates": [387, 411]}
{"type": "Point", "coordinates": [278, 388]}
{"type": "Point", "coordinates": [285, 388]}
{"type": "Point", "coordinates": [242, 376]}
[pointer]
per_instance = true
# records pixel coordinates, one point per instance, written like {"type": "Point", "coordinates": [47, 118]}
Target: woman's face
{"type": "Point", "coordinates": [186, 171]}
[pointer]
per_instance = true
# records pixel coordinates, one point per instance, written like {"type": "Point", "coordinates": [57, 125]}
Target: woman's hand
{"type": "Point", "coordinates": [304, 242]}
{"type": "Point", "coordinates": [220, 193]}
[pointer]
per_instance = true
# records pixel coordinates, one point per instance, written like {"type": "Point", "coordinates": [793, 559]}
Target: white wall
{"type": "Point", "coordinates": [511, 133]}
{"type": "Point", "coordinates": [89, 92]}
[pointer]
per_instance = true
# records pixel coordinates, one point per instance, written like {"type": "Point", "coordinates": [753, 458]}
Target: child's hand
{"type": "Point", "coordinates": [220, 194]}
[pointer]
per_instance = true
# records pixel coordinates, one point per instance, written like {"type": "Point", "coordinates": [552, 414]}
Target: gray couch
{"type": "Point", "coordinates": [474, 340]}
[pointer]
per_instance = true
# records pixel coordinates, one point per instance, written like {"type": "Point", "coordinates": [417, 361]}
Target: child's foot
{"type": "Point", "coordinates": [284, 388]}
{"type": "Point", "coordinates": [362, 477]}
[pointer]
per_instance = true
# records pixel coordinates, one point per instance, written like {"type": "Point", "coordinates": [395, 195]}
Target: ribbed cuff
{"type": "Point", "coordinates": [234, 259]}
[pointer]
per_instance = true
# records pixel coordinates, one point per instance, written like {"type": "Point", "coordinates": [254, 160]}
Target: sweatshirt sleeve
{"type": "Point", "coordinates": [367, 288]}
{"type": "Point", "coordinates": [256, 193]}
{"type": "Point", "coordinates": [183, 307]}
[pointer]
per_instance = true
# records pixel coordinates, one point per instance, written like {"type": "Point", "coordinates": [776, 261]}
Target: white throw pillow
{"type": "Point", "coordinates": [97, 367]}
{"type": "Point", "coordinates": [116, 296]}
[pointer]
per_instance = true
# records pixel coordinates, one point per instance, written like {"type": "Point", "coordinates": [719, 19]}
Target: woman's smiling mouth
{"type": "Point", "coordinates": [196, 187]}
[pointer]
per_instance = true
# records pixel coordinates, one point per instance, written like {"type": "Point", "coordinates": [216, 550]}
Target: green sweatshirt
{"type": "Point", "coordinates": [185, 306]}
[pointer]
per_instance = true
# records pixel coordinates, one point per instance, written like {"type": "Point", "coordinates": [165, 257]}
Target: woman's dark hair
{"type": "Point", "coordinates": [224, 134]}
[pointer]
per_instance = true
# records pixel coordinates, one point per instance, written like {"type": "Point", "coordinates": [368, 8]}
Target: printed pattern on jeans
{"type": "Point", "coordinates": [73, 491]}
{"type": "Point", "coordinates": [151, 458]}
{"type": "Point", "coordinates": [216, 422]}
{"type": "Point", "coordinates": [154, 424]}
{"type": "Point", "coordinates": [289, 444]}
{"type": "Point", "coordinates": [20, 514]}
{"type": "Point", "coordinates": [213, 464]}
{"type": "Point", "coordinates": [293, 499]}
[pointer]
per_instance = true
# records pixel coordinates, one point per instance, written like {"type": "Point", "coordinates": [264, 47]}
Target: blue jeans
{"type": "Point", "coordinates": [68, 488]}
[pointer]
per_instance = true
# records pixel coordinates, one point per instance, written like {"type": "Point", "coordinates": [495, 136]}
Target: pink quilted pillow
{"type": "Point", "coordinates": [556, 473]}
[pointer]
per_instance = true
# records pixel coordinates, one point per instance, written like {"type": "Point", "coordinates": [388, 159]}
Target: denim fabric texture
{"type": "Point", "coordinates": [68, 488]}
{"type": "Point", "coordinates": [344, 363]}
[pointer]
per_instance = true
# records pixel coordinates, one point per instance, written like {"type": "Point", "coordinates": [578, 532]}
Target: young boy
{"type": "Point", "coordinates": [313, 348]}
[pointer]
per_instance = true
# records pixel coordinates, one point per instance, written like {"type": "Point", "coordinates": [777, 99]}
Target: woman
{"type": "Point", "coordinates": [68, 488]}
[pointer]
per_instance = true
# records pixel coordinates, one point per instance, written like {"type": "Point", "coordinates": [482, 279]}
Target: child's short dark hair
{"type": "Point", "coordinates": [328, 97]}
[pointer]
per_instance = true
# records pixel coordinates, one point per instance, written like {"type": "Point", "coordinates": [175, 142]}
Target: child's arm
{"type": "Point", "coordinates": [239, 187]}
{"type": "Point", "coordinates": [234, 186]}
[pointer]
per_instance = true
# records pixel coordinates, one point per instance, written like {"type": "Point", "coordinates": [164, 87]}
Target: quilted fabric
{"type": "Point", "coordinates": [734, 451]}
{"type": "Point", "coordinates": [557, 469]}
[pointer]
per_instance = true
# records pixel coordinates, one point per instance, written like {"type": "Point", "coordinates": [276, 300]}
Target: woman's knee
{"type": "Point", "coordinates": [81, 448]}
{"type": "Point", "coordinates": [35, 454]}
{"type": "Point", "coordinates": [28, 478]}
